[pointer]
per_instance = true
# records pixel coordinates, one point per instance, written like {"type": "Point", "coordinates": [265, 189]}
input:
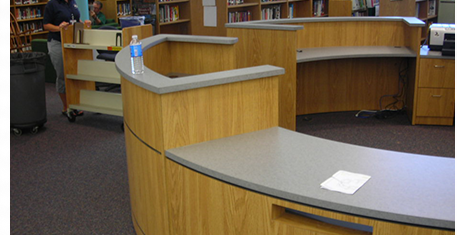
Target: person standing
{"type": "Point", "coordinates": [60, 14]}
{"type": "Point", "coordinates": [98, 18]}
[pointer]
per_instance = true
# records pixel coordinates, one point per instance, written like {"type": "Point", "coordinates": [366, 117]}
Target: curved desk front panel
{"type": "Point", "coordinates": [255, 178]}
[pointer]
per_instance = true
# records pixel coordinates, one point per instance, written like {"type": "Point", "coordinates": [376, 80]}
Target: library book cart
{"type": "Point", "coordinates": [82, 71]}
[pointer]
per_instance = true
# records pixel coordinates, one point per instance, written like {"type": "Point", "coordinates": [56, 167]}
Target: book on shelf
{"type": "Point", "coordinates": [358, 5]}
{"type": "Point", "coordinates": [270, 0]}
{"type": "Point", "coordinates": [432, 7]}
{"type": "Point", "coordinates": [271, 13]}
{"type": "Point", "coordinates": [291, 11]}
{"type": "Point", "coordinates": [234, 2]}
{"type": "Point", "coordinates": [239, 16]}
{"type": "Point", "coordinates": [319, 7]}
{"type": "Point", "coordinates": [168, 13]}
{"type": "Point", "coordinates": [123, 9]}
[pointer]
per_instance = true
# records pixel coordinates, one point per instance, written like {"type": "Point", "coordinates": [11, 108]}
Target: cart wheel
{"type": "Point", "coordinates": [34, 130]}
{"type": "Point", "coordinates": [17, 132]}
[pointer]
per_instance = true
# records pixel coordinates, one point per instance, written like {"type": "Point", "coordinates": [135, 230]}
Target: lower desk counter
{"type": "Point", "coordinates": [406, 191]}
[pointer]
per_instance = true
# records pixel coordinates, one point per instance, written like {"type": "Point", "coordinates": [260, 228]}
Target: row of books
{"type": "Point", "coordinates": [319, 7]}
{"type": "Point", "coordinates": [168, 13]}
{"type": "Point", "coordinates": [36, 26]}
{"type": "Point", "coordinates": [23, 2]}
{"type": "Point", "coordinates": [28, 13]}
{"type": "Point", "coordinates": [165, 0]}
{"type": "Point", "coordinates": [271, 13]}
{"type": "Point", "coordinates": [270, 0]}
{"type": "Point", "coordinates": [358, 5]}
{"type": "Point", "coordinates": [234, 2]}
{"type": "Point", "coordinates": [123, 9]}
{"type": "Point", "coordinates": [239, 16]}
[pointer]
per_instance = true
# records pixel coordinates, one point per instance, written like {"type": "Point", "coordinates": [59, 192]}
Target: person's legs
{"type": "Point", "coordinates": [55, 53]}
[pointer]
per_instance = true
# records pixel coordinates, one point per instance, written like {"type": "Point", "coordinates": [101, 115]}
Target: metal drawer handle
{"type": "Point", "coordinates": [439, 66]}
{"type": "Point", "coordinates": [436, 96]}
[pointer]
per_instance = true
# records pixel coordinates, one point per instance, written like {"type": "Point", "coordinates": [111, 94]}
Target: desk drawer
{"type": "Point", "coordinates": [437, 73]}
{"type": "Point", "coordinates": [435, 102]}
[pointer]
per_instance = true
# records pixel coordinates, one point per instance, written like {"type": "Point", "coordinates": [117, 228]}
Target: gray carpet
{"type": "Point", "coordinates": [71, 178]}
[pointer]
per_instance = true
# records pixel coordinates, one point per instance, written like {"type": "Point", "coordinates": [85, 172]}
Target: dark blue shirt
{"type": "Point", "coordinates": [58, 11]}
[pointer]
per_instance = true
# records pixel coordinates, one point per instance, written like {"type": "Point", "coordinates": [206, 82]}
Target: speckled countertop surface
{"type": "Point", "coordinates": [406, 188]}
{"type": "Point", "coordinates": [161, 84]}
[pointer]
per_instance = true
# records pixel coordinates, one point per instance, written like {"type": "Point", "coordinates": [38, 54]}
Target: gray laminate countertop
{"type": "Point", "coordinates": [161, 84]}
{"type": "Point", "coordinates": [281, 24]}
{"type": "Point", "coordinates": [405, 188]}
{"type": "Point", "coordinates": [330, 53]}
{"type": "Point", "coordinates": [429, 54]}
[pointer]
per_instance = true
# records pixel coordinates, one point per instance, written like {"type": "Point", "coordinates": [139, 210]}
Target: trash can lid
{"type": "Point", "coordinates": [28, 57]}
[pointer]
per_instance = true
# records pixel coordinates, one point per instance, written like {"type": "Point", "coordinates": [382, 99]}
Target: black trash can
{"type": "Point", "coordinates": [27, 91]}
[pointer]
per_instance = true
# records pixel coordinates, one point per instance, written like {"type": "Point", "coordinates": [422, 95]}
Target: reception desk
{"type": "Point", "coordinates": [335, 63]}
{"type": "Point", "coordinates": [205, 155]}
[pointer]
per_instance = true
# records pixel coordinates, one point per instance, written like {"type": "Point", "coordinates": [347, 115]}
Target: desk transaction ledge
{"type": "Point", "coordinates": [161, 84]}
{"type": "Point", "coordinates": [404, 188]}
{"type": "Point", "coordinates": [281, 24]}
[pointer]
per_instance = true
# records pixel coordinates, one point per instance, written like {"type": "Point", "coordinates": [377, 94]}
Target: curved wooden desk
{"type": "Point", "coordinates": [174, 191]}
{"type": "Point", "coordinates": [281, 166]}
{"type": "Point", "coordinates": [338, 81]}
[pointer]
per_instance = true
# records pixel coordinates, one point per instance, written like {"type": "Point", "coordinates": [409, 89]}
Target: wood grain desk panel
{"type": "Point", "coordinates": [277, 165]}
{"type": "Point", "coordinates": [315, 34]}
{"type": "Point", "coordinates": [241, 211]}
{"type": "Point", "coordinates": [349, 84]}
{"type": "Point", "coordinates": [354, 33]}
{"type": "Point", "coordinates": [257, 47]}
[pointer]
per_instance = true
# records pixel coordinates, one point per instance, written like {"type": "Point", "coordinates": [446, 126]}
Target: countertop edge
{"type": "Point", "coordinates": [348, 209]}
{"type": "Point", "coordinates": [161, 84]}
{"type": "Point", "coordinates": [277, 24]}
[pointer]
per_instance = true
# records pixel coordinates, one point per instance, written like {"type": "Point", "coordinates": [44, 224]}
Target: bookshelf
{"type": "Point", "coordinates": [229, 11]}
{"type": "Point", "coordinates": [427, 11]}
{"type": "Point", "coordinates": [173, 16]}
{"type": "Point", "coordinates": [115, 9]}
{"type": "Point", "coordinates": [29, 15]}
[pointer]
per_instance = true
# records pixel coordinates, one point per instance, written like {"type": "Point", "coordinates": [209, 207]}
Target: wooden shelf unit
{"type": "Point", "coordinates": [178, 25]}
{"type": "Point", "coordinates": [29, 15]}
{"type": "Point", "coordinates": [82, 71]}
{"type": "Point", "coordinates": [111, 9]}
{"type": "Point", "coordinates": [289, 9]}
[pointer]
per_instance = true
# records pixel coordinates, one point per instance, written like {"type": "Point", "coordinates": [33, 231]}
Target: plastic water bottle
{"type": "Point", "coordinates": [136, 56]}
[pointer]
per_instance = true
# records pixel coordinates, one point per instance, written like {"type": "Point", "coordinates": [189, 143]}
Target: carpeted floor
{"type": "Point", "coordinates": [395, 133]}
{"type": "Point", "coordinates": [71, 178]}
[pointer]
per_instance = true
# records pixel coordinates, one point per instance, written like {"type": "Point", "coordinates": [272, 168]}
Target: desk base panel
{"type": "Point", "coordinates": [349, 84]}
{"type": "Point", "coordinates": [199, 204]}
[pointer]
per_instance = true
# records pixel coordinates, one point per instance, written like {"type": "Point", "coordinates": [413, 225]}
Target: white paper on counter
{"type": "Point", "coordinates": [345, 182]}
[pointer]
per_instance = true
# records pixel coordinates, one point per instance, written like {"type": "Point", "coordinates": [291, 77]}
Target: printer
{"type": "Point", "coordinates": [442, 38]}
